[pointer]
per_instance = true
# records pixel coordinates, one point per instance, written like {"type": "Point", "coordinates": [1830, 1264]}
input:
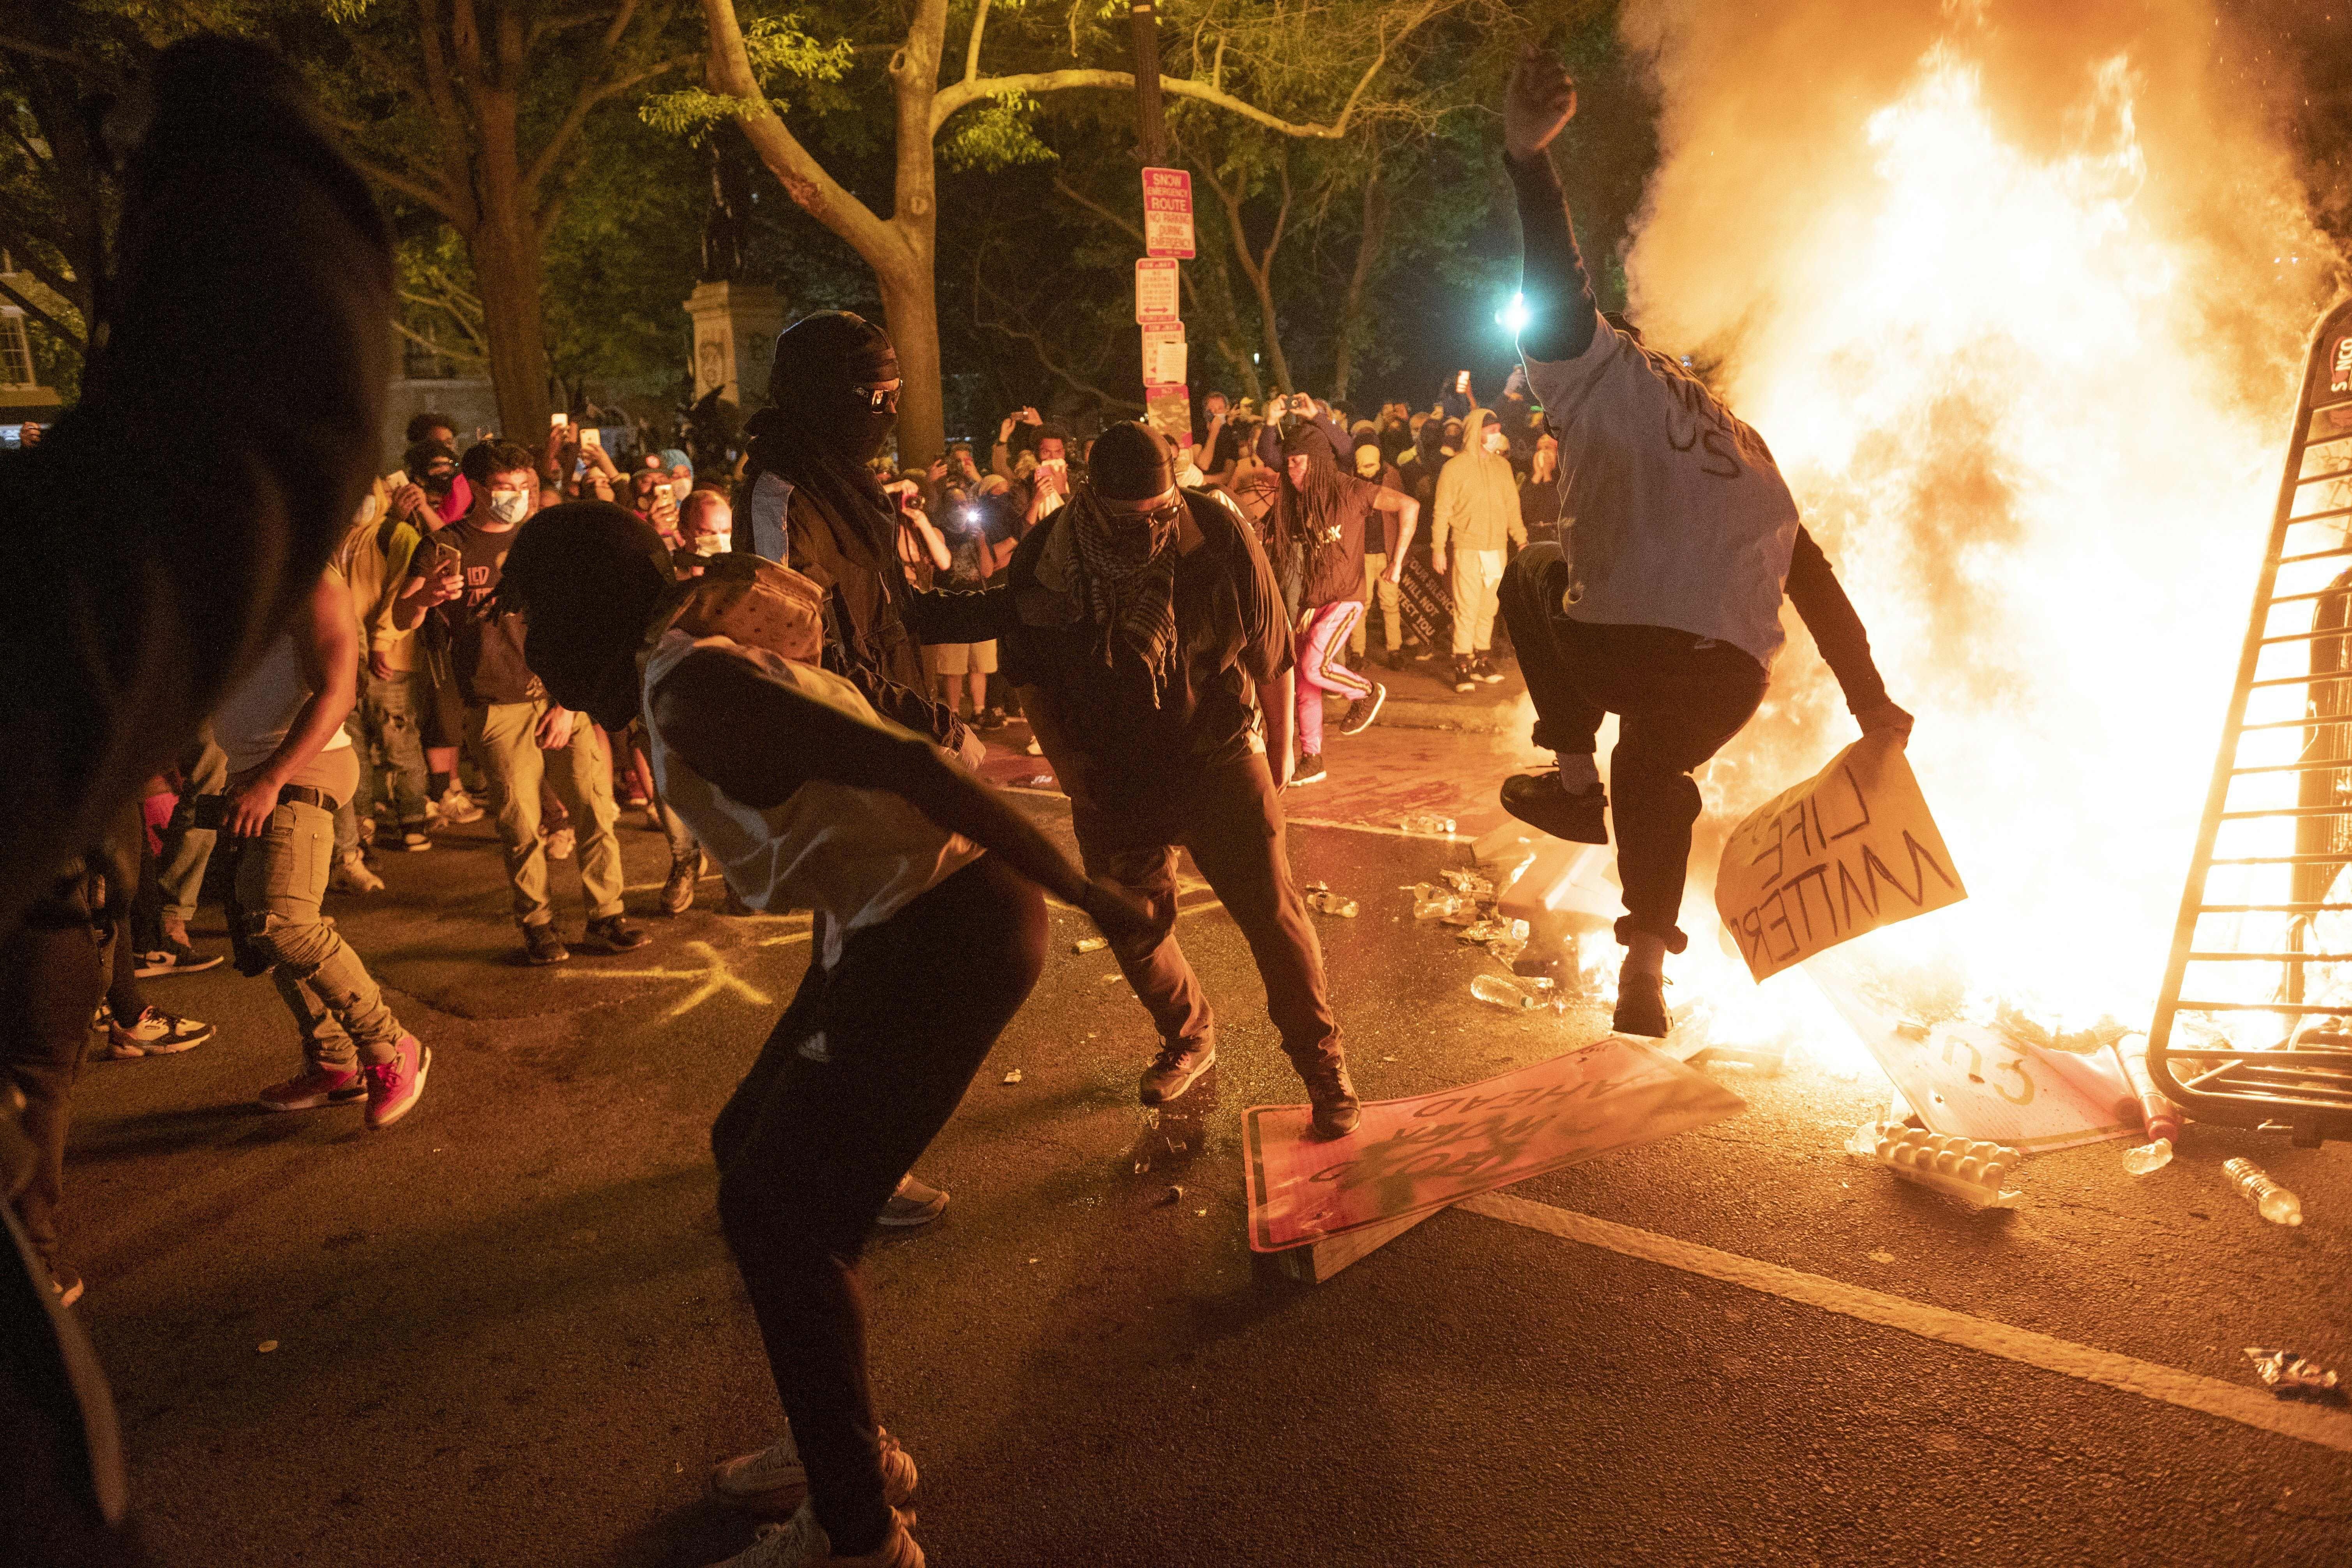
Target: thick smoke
{"type": "Point", "coordinates": [2019, 295]}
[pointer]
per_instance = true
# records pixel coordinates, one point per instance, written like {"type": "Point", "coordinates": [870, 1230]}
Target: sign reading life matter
{"type": "Point", "coordinates": [1168, 213]}
{"type": "Point", "coordinates": [1847, 851]}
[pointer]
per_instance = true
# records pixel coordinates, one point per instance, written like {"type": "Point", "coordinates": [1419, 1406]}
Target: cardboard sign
{"type": "Point", "coordinates": [1974, 1080]}
{"type": "Point", "coordinates": [1155, 292]}
{"type": "Point", "coordinates": [1847, 851]}
{"type": "Point", "coordinates": [1168, 213]}
{"type": "Point", "coordinates": [1413, 1156]}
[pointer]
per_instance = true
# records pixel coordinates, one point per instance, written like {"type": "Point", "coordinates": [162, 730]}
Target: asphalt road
{"type": "Point", "coordinates": [506, 1331]}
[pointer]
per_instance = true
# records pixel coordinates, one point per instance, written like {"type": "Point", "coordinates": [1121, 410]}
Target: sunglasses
{"type": "Point", "coordinates": [1162, 511]}
{"type": "Point", "coordinates": [877, 398]}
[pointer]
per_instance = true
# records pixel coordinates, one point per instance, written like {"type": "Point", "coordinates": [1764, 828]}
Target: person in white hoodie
{"type": "Point", "coordinates": [1477, 511]}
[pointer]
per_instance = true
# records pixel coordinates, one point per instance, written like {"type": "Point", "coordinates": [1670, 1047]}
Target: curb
{"type": "Point", "coordinates": [1417, 713]}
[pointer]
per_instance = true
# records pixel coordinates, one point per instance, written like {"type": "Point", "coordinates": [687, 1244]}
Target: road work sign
{"type": "Point", "coordinates": [1414, 1156]}
{"type": "Point", "coordinates": [1847, 851]}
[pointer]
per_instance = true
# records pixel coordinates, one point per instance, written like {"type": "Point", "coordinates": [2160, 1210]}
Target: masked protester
{"type": "Point", "coordinates": [930, 933]}
{"type": "Point", "coordinates": [1477, 514]}
{"type": "Point", "coordinates": [1146, 637]}
{"type": "Point", "coordinates": [1664, 607]}
{"type": "Point", "coordinates": [1320, 515]}
{"type": "Point", "coordinates": [812, 501]}
{"type": "Point", "coordinates": [1380, 586]}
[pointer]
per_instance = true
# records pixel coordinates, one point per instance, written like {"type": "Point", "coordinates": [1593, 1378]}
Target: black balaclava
{"type": "Point", "coordinates": [588, 574]}
{"type": "Point", "coordinates": [817, 434]}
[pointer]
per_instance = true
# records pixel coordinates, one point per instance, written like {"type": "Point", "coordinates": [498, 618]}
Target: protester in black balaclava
{"type": "Point", "coordinates": [1151, 652]}
{"type": "Point", "coordinates": [812, 503]}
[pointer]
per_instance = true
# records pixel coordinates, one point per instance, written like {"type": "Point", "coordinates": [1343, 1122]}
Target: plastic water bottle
{"type": "Point", "coordinates": [2148, 1157]}
{"type": "Point", "coordinates": [1332, 903]}
{"type": "Point", "coordinates": [1504, 992]}
{"type": "Point", "coordinates": [1430, 904]}
{"type": "Point", "coordinates": [1426, 822]}
{"type": "Point", "coordinates": [2275, 1202]}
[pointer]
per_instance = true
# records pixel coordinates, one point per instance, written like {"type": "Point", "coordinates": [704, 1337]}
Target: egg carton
{"type": "Point", "coordinates": [1967, 1169]}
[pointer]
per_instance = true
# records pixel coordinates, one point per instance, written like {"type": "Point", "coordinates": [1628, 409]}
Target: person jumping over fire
{"type": "Point", "coordinates": [1661, 604]}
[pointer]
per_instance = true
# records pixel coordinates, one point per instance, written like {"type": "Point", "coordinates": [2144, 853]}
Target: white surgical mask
{"type": "Point", "coordinates": [510, 506]}
{"type": "Point", "coordinates": [713, 544]}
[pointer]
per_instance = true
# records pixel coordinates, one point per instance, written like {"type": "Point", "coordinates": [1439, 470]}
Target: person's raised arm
{"type": "Point", "coordinates": [759, 741]}
{"type": "Point", "coordinates": [1838, 632]}
{"type": "Point", "coordinates": [1537, 104]}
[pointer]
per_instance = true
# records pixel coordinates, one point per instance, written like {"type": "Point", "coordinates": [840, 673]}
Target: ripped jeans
{"type": "Point", "coordinates": [281, 877]}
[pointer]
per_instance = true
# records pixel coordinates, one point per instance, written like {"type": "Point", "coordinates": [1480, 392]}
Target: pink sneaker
{"type": "Point", "coordinates": [394, 1088]}
{"type": "Point", "coordinates": [312, 1088]}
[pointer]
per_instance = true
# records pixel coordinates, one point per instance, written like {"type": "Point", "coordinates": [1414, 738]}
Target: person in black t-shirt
{"type": "Point", "coordinates": [1148, 640]}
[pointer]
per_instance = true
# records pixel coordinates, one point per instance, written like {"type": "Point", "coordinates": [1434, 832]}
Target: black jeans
{"type": "Point", "coordinates": [809, 1149]}
{"type": "Point", "coordinates": [50, 979]}
{"type": "Point", "coordinates": [1231, 819]}
{"type": "Point", "coordinates": [1678, 700]}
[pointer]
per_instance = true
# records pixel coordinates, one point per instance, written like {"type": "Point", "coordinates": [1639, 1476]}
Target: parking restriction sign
{"type": "Point", "coordinates": [1168, 213]}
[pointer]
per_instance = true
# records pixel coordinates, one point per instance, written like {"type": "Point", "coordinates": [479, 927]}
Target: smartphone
{"type": "Point", "coordinates": [446, 555]}
{"type": "Point", "coordinates": [662, 493]}
{"type": "Point", "coordinates": [591, 438]}
{"type": "Point", "coordinates": [558, 421]}
{"type": "Point", "coordinates": [1462, 381]}
{"type": "Point", "coordinates": [394, 480]}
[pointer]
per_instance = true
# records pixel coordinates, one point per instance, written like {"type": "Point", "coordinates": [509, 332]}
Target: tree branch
{"type": "Point", "coordinates": [440, 201]}
{"type": "Point", "coordinates": [589, 95]}
{"type": "Point", "coordinates": [971, 48]}
{"type": "Point", "coordinates": [75, 339]}
{"type": "Point", "coordinates": [81, 65]}
{"type": "Point", "coordinates": [445, 350]}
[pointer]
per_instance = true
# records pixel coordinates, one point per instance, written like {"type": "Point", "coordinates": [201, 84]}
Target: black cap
{"type": "Point", "coordinates": [829, 350]}
{"type": "Point", "coordinates": [1129, 462]}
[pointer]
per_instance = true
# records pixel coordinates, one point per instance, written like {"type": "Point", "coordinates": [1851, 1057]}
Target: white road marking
{"type": "Point", "coordinates": [2249, 1406]}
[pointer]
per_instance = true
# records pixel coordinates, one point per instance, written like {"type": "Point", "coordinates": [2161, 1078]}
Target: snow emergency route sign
{"type": "Point", "coordinates": [1155, 292]}
{"type": "Point", "coordinates": [1847, 851]}
{"type": "Point", "coordinates": [1168, 213]}
{"type": "Point", "coordinates": [1413, 1156]}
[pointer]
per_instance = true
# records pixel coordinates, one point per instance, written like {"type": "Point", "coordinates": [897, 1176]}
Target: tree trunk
{"type": "Point", "coordinates": [911, 301]}
{"type": "Point", "coordinates": [504, 245]}
{"type": "Point", "coordinates": [1368, 250]}
{"type": "Point", "coordinates": [910, 304]}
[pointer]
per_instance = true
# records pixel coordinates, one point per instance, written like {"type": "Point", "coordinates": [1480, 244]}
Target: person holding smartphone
{"type": "Point", "coordinates": [930, 932]}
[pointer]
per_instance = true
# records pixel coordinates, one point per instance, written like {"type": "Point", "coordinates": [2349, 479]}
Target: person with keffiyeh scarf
{"type": "Point", "coordinates": [1150, 648]}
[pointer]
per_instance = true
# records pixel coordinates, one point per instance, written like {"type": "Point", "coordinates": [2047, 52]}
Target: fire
{"type": "Point", "coordinates": [2031, 398]}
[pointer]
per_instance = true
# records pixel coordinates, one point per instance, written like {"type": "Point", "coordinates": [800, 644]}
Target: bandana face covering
{"type": "Point", "coordinates": [1127, 581]}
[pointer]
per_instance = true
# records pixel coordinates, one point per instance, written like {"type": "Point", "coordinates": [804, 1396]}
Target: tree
{"type": "Point", "coordinates": [1223, 42]}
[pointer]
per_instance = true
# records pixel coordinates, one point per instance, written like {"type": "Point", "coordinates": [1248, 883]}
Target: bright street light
{"type": "Point", "coordinates": [1513, 317]}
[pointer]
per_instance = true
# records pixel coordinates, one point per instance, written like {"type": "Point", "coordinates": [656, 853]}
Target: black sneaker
{"type": "Point", "coordinates": [1363, 710]}
{"type": "Point", "coordinates": [541, 946]}
{"type": "Point", "coordinates": [1308, 771]}
{"type": "Point", "coordinates": [1541, 800]}
{"type": "Point", "coordinates": [1464, 680]}
{"type": "Point", "coordinates": [678, 889]}
{"type": "Point", "coordinates": [617, 934]}
{"type": "Point", "coordinates": [1642, 1006]}
{"type": "Point", "coordinates": [1176, 1068]}
{"type": "Point", "coordinates": [991, 720]}
{"type": "Point", "coordinates": [175, 957]}
{"type": "Point", "coordinates": [1333, 1096]}
{"type": "Point", "coordinates": [1484, 668]}
{"type": "Point", "coordinates": [413, 838]}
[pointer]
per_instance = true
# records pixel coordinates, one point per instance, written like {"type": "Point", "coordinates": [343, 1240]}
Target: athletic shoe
{"type": "Point", "coordinates": [415, 839]}
{"type": "Point", "coordinates": [1484, 668]}
{"type": "Point", "coordinates": [617, 934]}
{"type": "Point", "coordinates": [1333, 1096]}
{"type": "Point", "coordinates": [541, 946]}
{"type": "Point", "coordinates": [67, 1283]}
{"type": "Point", "coordinates": [1363, 710]}
{"type": "Point", "coordinates": [1396, 658]}
{"type": "Point", "coordinates": [175, 957]}
{"type": "Point", "coordinates": [561, 843]}
{"type": "Point", "coordinates": [1543, 800]}
{"type": "Point", "coordinates": [1176, 1067]}
{"type": "Point", "coordinates": [678, 888]}
{"type": "Point", "coordinates": [772, 1484]}
{"type": "Point", "coordinates": [1642, 1005]}
{"type": "Point", "coordinates": [1464, 680]}
{"type": "Point", "coordinates": [1308, 771]}
{"type": "Point", "coordinates": [800, 1540]}
{"type": "Point", "coordinates": [156, 1033]}
{"type": "Point", "coordinates": [314, 1087]}
{"type": "Point", "coordinates": [367, 832]}
{"type": "Point", "coordinates": [394, 1088]}
{"type": "Point", "coordinates": [457, 807]}
{"type": "Point", "coordinates": [991, 720]}
{"type": "Point", "coordinates": [352, 875]}
{"type": "Point", "coordinates": [915, 1203]}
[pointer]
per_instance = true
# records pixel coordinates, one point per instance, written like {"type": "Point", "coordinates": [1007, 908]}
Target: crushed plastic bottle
{"type": "Point", "coordinates": [1091, 944]}
{"type": "Point", "coordinates": [1427, 822]}
{"type": "Point", "coordinates": [2272, 1202]}
{"type": "Point", "coordinates": [1429, 904]}
{"type": "Point", "coordinates": [2286, 1373]}
{"type": "Point", "coordinates": [1331, 903]}
{"type": "Point", "coordinates": [2148, 1157]}
{"type": "Point", "coordinates": [1464, 881]}
{"type": "Point", "coordinates": [1504, 992]}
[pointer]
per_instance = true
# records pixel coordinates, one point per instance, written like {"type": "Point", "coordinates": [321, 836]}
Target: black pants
{"type": "Point", "coordinates": [1678, 700]}
{"type": "Point", "coordinates": [809, 1149]}
{"type": "Point", "coordinates": [49, 982]}
{"type": "Point", "coordinates": [1231, 819]}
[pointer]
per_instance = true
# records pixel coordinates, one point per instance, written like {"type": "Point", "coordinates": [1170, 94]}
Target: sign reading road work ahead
{"type": "Point", "coordinates": [1155, 292]}
{"type": "Point", "coordinates": [1168, 213]}
{"type": "Point", "coordinates": [1847, 851]}
{"type": "Point", "coordinates": [1413, 1156]}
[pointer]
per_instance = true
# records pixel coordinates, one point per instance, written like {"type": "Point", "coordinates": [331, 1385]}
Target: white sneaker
{"type": "Point", "coordinates": [457, 807]}
{"type": "Point", "coordinates": [352, 875]}
{"type": "Point", "coordinates": [773, 1481]}
{"type": "Point", "coordinates": [800, 1540]}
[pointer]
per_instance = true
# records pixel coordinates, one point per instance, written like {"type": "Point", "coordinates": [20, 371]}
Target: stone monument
{"type": "Point", "coordinates": [735, 321]}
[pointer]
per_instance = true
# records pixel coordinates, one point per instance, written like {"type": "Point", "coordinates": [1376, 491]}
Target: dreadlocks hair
{"type": "Point", "coordinates": [1312, 515]}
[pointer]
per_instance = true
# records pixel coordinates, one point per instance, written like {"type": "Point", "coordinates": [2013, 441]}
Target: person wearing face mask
{"type": "Point", "coordinates": [520, 738]}
{"type": "Point", "coordinates": [1478, 514]}
{"type": "Point", "coordinates": [1380, 588]}
{"type": "Point", "coordinates": [930, 932]}
{"type": "Point", "coordinates": [1146, 638]}
{"type": "Point", "coordinates": [810, 500]}
{"type": "Point", "coordinates": [706, 527]}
